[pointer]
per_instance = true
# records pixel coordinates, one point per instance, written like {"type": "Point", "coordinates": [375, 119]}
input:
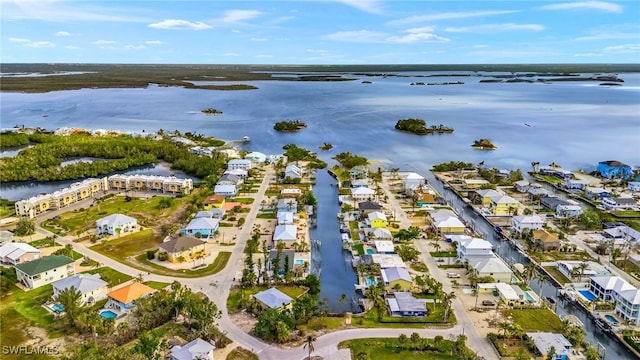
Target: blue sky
{"type": "Point", "coordinates": [319, 32]}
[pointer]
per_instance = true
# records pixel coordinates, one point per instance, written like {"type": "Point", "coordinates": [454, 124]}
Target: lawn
{"type": "Point", "coordinates": [129, 245]}
{"type": "Point", "coordinates": [322, 323]}
{"type": "Point", "coordinates": [390, 349]}
{"type": "Point", "coordinates": [512, 347]}
{"type": "Point", "coordinates": [443, 254]}
{"type": "Point", "coordinates": [560, 277]}
{"type": "Point", "coordinates": [156, 284]}
{"type": "Point", "coordinates": [241, 354]}
{"type": "Point", "coordinates": [434, 317]}
{"type": "Point", "coordinates": [42, 243]}
{"type": "Point", "coordinates": [111, 276]}
{"type": "Point", "coordinates": [216, 266]}
{"type": "Point", "coordinates": [535, 319]}
{"type": "Point", "coordinates": [242, 200]}
{"type": "Point", "coordinates": [559, 256]}
{"type": "Point", "coordinates": [235, 295]}
{"type": "Point", "coordinates": [422, 267]}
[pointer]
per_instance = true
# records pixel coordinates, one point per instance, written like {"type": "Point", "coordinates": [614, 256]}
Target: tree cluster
{"type": "Point", "coordinates": [289, 126]}
{"type": "Point", "coordinates": [419, 127]}
{"type": "Point", "coordinates": [349, 160]}
{"type": "Point", "coordinates": [452, 166]}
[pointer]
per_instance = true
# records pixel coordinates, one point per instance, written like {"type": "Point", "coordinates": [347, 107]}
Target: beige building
{"type": "Point", "coordinates": [183, 249]}
{"type": "Point", "coordinates": [46, 270]}
{"type": "Point", "coordinates": [37, 205]}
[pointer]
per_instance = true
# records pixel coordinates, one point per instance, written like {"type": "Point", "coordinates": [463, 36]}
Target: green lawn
{"type": "Point", "coordinates": [242, 200]}
{"type": "Point", "coordinates": [156, 284]}
{"type": "Point", "coordinates": [422, 267]}
{"type": "Point", "coordinates": [129, 245]}
{"type": "Point", "coordinates": [560, 277]}
{"type": "Point", "coordinates": [442, 254]}
{"type": "Point", "coordinates": [42, 243]}
{"type": "Point", "coordinates": [235, 296]}
{"type": "Point", "coordinates": [559, 256]}
{"type": "Point", "coordinates": [390, 349]}
{"type": "Point", "coordinates": [241, 354]}
{"type": "Point", "coordinates": [627, 213]}
{"type": "Point", "coordinates": [322, 323]}
{"type": "Point", "coordinates": [216, 266]}
{"type": "Point", "coordinates": [111, 276]}
{"type": "Point", "coordinates": [434, 317]}
{"type": "Point", "coordinates": [535, 319]}
{"type": "Point", "coordinates": [512, 347]}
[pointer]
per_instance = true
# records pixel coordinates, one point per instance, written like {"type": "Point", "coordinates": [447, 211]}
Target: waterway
{"type": "Point", "coordinates": [337, 277]}
{"type": "Point", "coordinates": [614, 350]}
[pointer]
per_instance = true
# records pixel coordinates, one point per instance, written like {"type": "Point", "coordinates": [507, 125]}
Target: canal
{"type": "Point", "coordinates": [613, 349]}
{"type": "Point", "coordinates": [330, 262]}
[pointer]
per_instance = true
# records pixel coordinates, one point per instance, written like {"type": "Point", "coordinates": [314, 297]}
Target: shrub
{"type": "Point", "coordinates": [162, 256]}
{"type": "Point", "coordinates": [151, 254]}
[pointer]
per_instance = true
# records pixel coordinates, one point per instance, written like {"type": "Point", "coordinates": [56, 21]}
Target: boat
{"type": "Point", "coordinates": [245, 139]}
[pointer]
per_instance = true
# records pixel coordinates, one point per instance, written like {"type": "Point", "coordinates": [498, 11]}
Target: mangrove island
{"type": "Point", "coordinates": [419, 127]}
{"type": "Point", "coordinates": [289, 126]}
{"type": "Point", "coordinates": [484, 144]}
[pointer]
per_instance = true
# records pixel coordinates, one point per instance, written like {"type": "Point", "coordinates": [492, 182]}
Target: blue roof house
{"type": "Point", "coordinates": [614, 169]}
{"type": "Point", "coordinates": [204, 226]}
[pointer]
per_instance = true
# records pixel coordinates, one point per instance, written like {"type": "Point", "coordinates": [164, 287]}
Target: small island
{"type": "Point", "coordinates": [484, 144]}
{"type": "Point", "coordinates": [419, 127]}
{"type": "Point", "coordinates": [211, 111]}
{"type": "Point", "coordinates": [289, 126]}
{"type": "Point", "coordinates": [326, 146]}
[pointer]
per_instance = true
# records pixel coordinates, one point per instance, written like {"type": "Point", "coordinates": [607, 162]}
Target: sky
{"type": "Point", "coordinates": [319, 32]}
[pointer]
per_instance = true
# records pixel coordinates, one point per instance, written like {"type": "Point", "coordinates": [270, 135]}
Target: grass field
{"type": "Point", "coordinates": [156, 284]}
{"type": "Point", "coordinates": [390, 349]}
{"type": "Point", "coordinates": [129, 245]}
{"type": "Point", "coordinates": [111, 276]}
{"type": "Point", "coordinates": [241, 354]}
{"type": "Point", "coordinates": [560, 277]}
{"type": "Point", "coordinates": [233, 301]}
{"type": "Point", "coordinates": [535, 319]}
{"type": "Point", "coordinates": [216, 266]}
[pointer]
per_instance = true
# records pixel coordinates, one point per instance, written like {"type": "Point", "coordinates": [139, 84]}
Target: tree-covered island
{"type": "Point", "coordinates": [289, 126]}
{"type": "Point", "coordinates": [419, 127]}
{"type": "Point", "coordinates": [211, 111]}
{"type": "Point", "coordinates": [484, 144]}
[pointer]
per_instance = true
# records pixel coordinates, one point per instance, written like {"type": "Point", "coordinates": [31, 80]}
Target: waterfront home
{"type": "Point", "coordinates": [404, 304]}
{"type": "Point", "coordinates": [608, 288]}
{"type": "Point", "coordinates": [287, 205]}
{"type": "Point", "coordinates": [90, 286]}
{"type": "Point", "coordinates": [622, 232]}
{"type": "Point", "coordinates": [201, 227]}
{"type": "Point", "coordinates": [359, 183]}
{"type": "Point", "coordinates": [546, 241]}
{"type": "Point", "coordinates": [116, 224]}
{"type": "Point", "coordinates": [419, 188]}
{"type": "Point", "coordinates": [197, 349]}
{"type": "Point", "coordinates": [504, 205]}
{"type": "Point", "coordinates": [214, 213]}
{"type": "Point", "coordinates": [384, 247]}
{"type": "Point", "coordinates": [273, 298]}
{"type": "Point", "coordinates": [524, 222]}
{"type": "Point", "coordinates": [229, 179]}
{"type": "Point", "coordinates": [552, 202]}
{"type": "Point", "coordinates": [574, 184]}
{"type": "Point", "coordinates": [596, 193]}
{"type": "Point", "coordinates": [614, 169]}
{"type": "Point", "coordinates": [292, 171]}
{"type": "Point", "coordinates": [492, 266]}
{"type": "Point", "coordinates": [474, 249]}
{"type": "Point", "coordinates": [290, 192]}
{"type": "Point", "coordinates": [18, 253]}
{"type": "Point", "coordinates": [225, 190]}
{"type": "Point", "coordinates": [286, 234]}
{"type": "Point", "coordinates": [570, 210]}
{"type": "Point", "coordinates": [362, 194]}
{"type": "Point", "coordinates": [506, 292]}
{"type": "Point", "coordinates": [449, 225]}
{"type": "Point", "coordinates": [244, 164]}
{"type": "Point", "coordinates": [256, 157]}
{"type": "Point", "coordinates": [556, 171]}
{"type": "Point", "coordinates": [483, 197]}
{"type": "Point", "coordinates": [412, 179]}
{"type": "Point", "coordinates": [287, 258]}
{"type": "Point", "coordinates": [285, 218]}
{"type": "Point", "coordinates": [165, 184]}
{"type": "Point", "coordinates": [396, 277]}
{"type": "Point", "coordinates": [124, 298]}
{"type": "Point", "coordinates": [45, 270]}
{"type": "Point", "coordinates": [366, 207]}
{"type": "Point", "coordinates": [383, 260]}
{"type": "Point", "coordinates": [475, 183]}
{"type": "Point", "coordinates": [213, 201]}
{"type": "Point", "coordinates": [628, 306]}
{"type": "Point", "coordinates": [593, 268]}
{"type": "Point", "coordinates": [377, 219]}
{"type": "Point", "coordinates": [543, 341]}
{"type": "Point", "coordinates": [183, 249]}
{"type": "Point", "coordinates": [621, 203]}
{"type": "Point", "coordinates": [358, 172]}
{"type": "Point", "coordinates": [425, 198]}
{"type": "Point", "coordinates": [521, 186]}
{"type": "Point", "coordinates": [633, 185]}
{"type": "Point", "coordinates": [535, 193]}
{"type": "Point", "coordinates": [378, 233]}
{"type": "Point", "coordinates": [6, 237]}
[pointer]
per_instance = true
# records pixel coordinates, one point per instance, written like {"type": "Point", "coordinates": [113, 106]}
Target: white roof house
{"type": "Point", "coordinates": [362, 193]}
{"type": "Point", "coordinates": [494, 267]}
{"type": "Point", "coordinates": [375, 215]}
{"type": "Point", "coordinates": [239, 164]}
{"type": "Point", "coordinates": [285, 233]}
{"type": "Point", "coordinates": [441, 214]}
{"type": "Point", "coordinates": [285, 218]}
{"type": "Point", "coordinates": [225, 190]}
{"type": "Point", "coordinates": [384, 246]}
{"type": "Point", "coordinates": [450, 222]}
{"type": "Point", "coordinates": [273, 298]}
{"type": "Point", "coordinates": [204, 225]}
{"type": "Point", "coordinates": [14, 253]}
{"type": "Point", "coordinates": [395, 273]}
{"type": "Point", "coordinates": [256, 157]}
{"type": "Point", "coordinates": [545, 341]}
{"type": "Point", "coordinates": [522, 222]}
{"type": "Point", "coordinates": [196, 349]}
{"type": "Point", "coordinates": [381, 233]}
{"type": "Point", "coordinates": [111, 224]}
{"type": "Point", "coordinates": [608, 287]}
{"type": "Point", "coordinates": [89, 286]}
{"type": "Point", "coordinates": [293, 171]}
{"type": "Point", "coordinates": [411, 179]}
{"type": "Point", "coordinates": [386, 260]}
{"type": "Point", "coordinates": [628, 304]}
{"type": "Point", "coordinates": [506, 291]}
{"type": "Point", "coordinates": [474, 248]}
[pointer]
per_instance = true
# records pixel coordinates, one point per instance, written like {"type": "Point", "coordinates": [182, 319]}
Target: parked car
{"type": "Point", "coordinates": [488, 303]}
{"type": "Point", "coordinates": [453, 275]}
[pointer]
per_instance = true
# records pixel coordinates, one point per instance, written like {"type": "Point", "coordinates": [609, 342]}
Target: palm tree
{"type": "Point", "coordinates": [541, 279]}
{"type": "Point", "coordinates": [374, 293]}
{"type": "Point", "coordinates": [530, 272]}
{"type": "Point", "coordinates": [504, 326]}
{"type": "Point", "coordinates": [583, 266]}
{"type": "Point", "coordinates": [343, 298]}
{"type": "Point", "coordinates": [308, 344]}
{"type": "Point", "coordinates": [446, 303]}
{"type": "Point", "coordinates": [402, 340]}
{"type": "Point", "coordinates": [69, 298]}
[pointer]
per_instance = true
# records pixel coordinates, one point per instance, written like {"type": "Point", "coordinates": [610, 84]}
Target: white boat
{"type": "Point", "coordinates": [245, 139]}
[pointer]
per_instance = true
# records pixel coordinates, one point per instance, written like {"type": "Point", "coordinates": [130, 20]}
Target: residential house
{"type": "Point", "coordinates": [183, 249]}
{"type": "Point", "coordinates": [545, 240]}
{"type": "Point", "coordinates": [285, 217]}
{"type": "Point", "coordinates": [384, 246]}
{"type": "Point", "coordinates": [90, 286]}
{"type": "Point", "coordinates": [116, 224]}
{"type": "Point", "coordinates": [622, 232]}
{"type": "Point", "coordinates": [287, 234]}
{"type": "Point", "coordinates": [378, 233]}
{"type": "Point", "coordinates": [535, 192]}
{"type": "Point", "coordinates": [492, 266]}
{"type": "Point", "coordinates": [483, 197]}
{"type": "Point", "coordinates": [291, 192]}
{"type": "Point", "coordinates": [543, 341]}
{"type": "Point", "coordinates": [425, 198]}
{"type": "Point", "coordinates": [524, 222]}
{"type": "Point", "coordinates": [608, 288]}
{"type": "Point", "coordinates": [214, 213]}
{"type": "Point", "coordinates": [242, 174]}
{"type": "Point", "coordinates": [475, 183]}
{"type": "Point", "coordinates": [504, 205]}
{"type": "Point", "coordinates": [383, 260]}
{"type": "Point", "coordinates": [358, 172]}
{"type": "Point", "coordinates": [575, 184]}
{"type": "Point", "coordinates": [394, 277]}
{"type": "Point", "coordinates": [229, 179]}
{"type": "Point", "coordinates": [358, 183]}
{"type": "Point", "coordinates": [552, 202]}
{"type": "Point", "coordinates": [124, 298]}
{"type": "Point", "coordinates": [628, 306]}
{"type": "Point", "coordinates": [411, 179]}
{"type": "Point", "coordinates": [287, 205]}
{"type": "Point", "coordinates": [256, 157]}
{"type": "Point", "coordinates": [521, 186]}
{"type": "Point", "coordinates": [633, 185]}
{"type": "Point", "coordinates": [201, 227]}
{"type": "Point", "coordinates": [614, 169]}
{"type": "Point", "coordinates": [403, 304]}
{"type": "Point", "coordinates": [244, 164]}
{"type": "Point", "coordinates": [570, 210]}
{"type": "Point", "coordinates": [556, 171]}
{"type": "Point", "coordinates": [621, 203]}
{"type": "Point", "coordinates": [225, 190]}
{"type": "Point", "coordinates": [474, 249]}
{"type": "Point", "coordinates": [292, 171]}
{"type": "Point", "coordinates": [377, 219]}
{"type": "Point", "coordinates": [287, 256]}
{"type": "Point", "coordinates": [596, 193]}
{"type": "Point", "coordinates": [18, 253]}
{"type": "Point", "coordinates": [45, 270]}
{"type": "Point", "coordinates": [213, 201]}
{"type": "Point", "coordinates": [273, 298]}
{"type": "Point", "coordinates": [449, 225]}
{"type": "Point", "coordinates": [593, 269]}
{"type": "Point", "coordinates": [366, 207]}
{"type": "Point", "coordinates": [197, 349]}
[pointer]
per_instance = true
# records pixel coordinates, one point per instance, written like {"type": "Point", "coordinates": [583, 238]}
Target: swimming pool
{"type": "Point", "coordinates": [58, 308]}
{"type": "Point", "coordinates": [108, 314]}
{"type": "Point", "coordinates": [299, 262]}
{"type": "Point", "coordinates": [613, 321]}
{"type": "Point", "coordinates": [370, 251]}
{"type": "Point", "coordinates": [528, 297]}
{"type": "Point", "coordinates": [587, 295]}
{"type": "Point", "coordinates": [370, 281]}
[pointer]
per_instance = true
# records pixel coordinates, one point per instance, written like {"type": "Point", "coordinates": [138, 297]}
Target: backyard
{"type": "Point", "coordinates": [392, 348]}
{"type": "Point", "coordinates": [534, 319]}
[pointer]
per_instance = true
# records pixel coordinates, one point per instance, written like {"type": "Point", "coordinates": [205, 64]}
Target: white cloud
{"type": "Point", "coordinates": [176, 24]}
{"type": "Point", "coordinates": [258, 39]}
{"type": "Point", "coordinates": [264, 56]}
{"type": "Point", "coordinates": [359, 36]}
{"type": "Point", "coordinates": [154, 42]}
{"type": "Point", "coordinates": [612, 32]}
{"type": "Point", "coordinates": [103, 42]}
{"type": "Point", "coordinates": [59, 11]}
{"type": "Point", "coordinates": [230, 54]}
{"type": "Point", "coordinates": [488, 28]}
{"type": "Point", "coordinates": [19, 40]}
{"type": "Point", "coordinates": [235, 31]}
{"type": "Point", "coordinates": [421, 34]}
{"type": "Point", "coordinates": [368, 6]}
{"type": "Point", "coordinates": [592, 5]}
{"type": "Point", "coordinates": [234, 16]}
{"type": "Point", "coordinates": [623, 49]}
{"type": "Point", "coordinates": [316, 51]}
{"type": "Point", "coordinates": [71, 47]}
{"type": "Point", "coordinates": [448, 16]}
{"type": "Point", "coordinates": [588, 55]}
{"type": "Point", "coordinates": [62, 33]}
{"type": "Point", "coordinates": [413, 35]}
{"type": "Point", "coordinates": [480, 46]}
{"type": "Point", "coordinates": [40, 44]}
{"type": "Point", "coordinates": [134, 47]}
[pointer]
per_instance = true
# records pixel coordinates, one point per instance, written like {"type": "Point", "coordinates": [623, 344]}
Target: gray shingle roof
{"type": "Point", "coordinates": [273, 298]}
